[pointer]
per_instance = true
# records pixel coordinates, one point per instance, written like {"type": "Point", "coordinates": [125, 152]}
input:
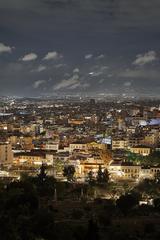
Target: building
{"type": "Point", "coordinates": [130, 171]}
{"type": "Point", "coordinates": [141, 150]}
{"type": "Point", "coordinates": [29, 158]}
{"type": "Point", "coordinates": [119, 144]}
{"type": "Point", "coordinates": [51, 146]}
{"type": "Point", "coordinates": [6, 153]}
{"type": "Point", "coordinates": [151, 139]}
{"type": "Point", "coordinates": [124, 170]}
{"type": "Point", "coordinates": [77, 146]}
{"type": "Point", "coordinates": [90, 164]}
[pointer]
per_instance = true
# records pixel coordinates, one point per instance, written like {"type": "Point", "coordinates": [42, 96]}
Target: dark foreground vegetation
{"type": "Point", "coordinates": [37, 208]}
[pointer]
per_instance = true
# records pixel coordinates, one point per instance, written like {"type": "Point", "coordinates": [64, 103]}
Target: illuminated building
{"type": "Point", "coordinates": [142, 150]}
{"type": "Point", "coordinates": [6, 154]}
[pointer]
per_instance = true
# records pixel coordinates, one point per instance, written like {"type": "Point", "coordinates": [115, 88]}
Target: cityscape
{"type": "Point", "coordinates": [85, 150]}
{"type": "Point", "coordinates": [79, 120]}
{"type": "Point", "coordinates": [120, 136]}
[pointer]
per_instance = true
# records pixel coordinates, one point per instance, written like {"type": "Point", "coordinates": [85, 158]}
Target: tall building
{"type": "Point", "coordinates": [6, 153]}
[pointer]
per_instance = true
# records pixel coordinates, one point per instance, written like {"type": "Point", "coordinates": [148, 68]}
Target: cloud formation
{"type": "Point", "coordinates": [88, 56]}
{"type": "Point", "coordinates": [41, 68]}
{"type": "Point", "coordinates": [29, 57]}
{"type": "Point", "coordinates": [74, 86]}
{"type": "Point", "coordinates": [5, 49]}
{"type": "Point", "coordinates": [101, 56]}
{"type": "Point", "coordinates": [67, 83]}
{"type": "Point", "coordinates": [51, 56]}
{"type": "Point", "coordinates": [38, 83]}
{"type": "Point", "coordinates": [143, 59]}
{"type": "Point", "coordinates": [76, 70]}
{"type": "Point", "coordinates": [140, 74]}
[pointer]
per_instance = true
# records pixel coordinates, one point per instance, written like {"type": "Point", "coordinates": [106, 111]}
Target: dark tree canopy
{"type": "Point", "coordinates": [91, 178]}
{"type": "Point", "coordinates": [127, 202]}
{"type": "Point", "coordinates": [69, 172]}
{"type": "Point", "coordinates": [42, 175]}
{"type": "Point", "coordinates": [102, 176]}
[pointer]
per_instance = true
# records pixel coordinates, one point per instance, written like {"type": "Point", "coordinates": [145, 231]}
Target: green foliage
{"type": "Point", "coordinates": [148, 187]}
{"type": "Point", "coordinates": [102, 176]}
{"type": "Point", "coordinates": [42, 175]}
{"type": "Point", "coordinates": [156, 203]}
{"type": "Point", "coordinates": [113, 190]}
{"type": "Point", "coordinates": [43, 184]}
{"type": "Point", "coordinates": [135, 158]}
{"type": "Point", "coordinates": [58, 164]}
{"type": "Point", "coordinates": [19, 202]}
{"type": "Point", "coordinates": [91, 178]}
{"type": "Point", "coordinates": [21, 216]}
{"type": "Point", "coordinates": [153, 158]}
{"type": "Point", "coordinates": [69, 172]}
{"type": "Point", "coordinates": [106, 176]}
{"type": "Point", "coordinates": [127, 202]}
{"type": "Point", "coordinates": [21, 197]}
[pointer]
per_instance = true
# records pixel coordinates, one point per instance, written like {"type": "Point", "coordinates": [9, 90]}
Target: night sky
{"type": "Point", "coordinates": [79, 46]}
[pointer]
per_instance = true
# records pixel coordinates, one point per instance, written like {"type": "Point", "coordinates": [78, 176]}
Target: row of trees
{"type": "Point", "coordinates": [102, 177]}
{"type": "Point", "coordinates": [153, 158]}
{"type": "Point", "coordinates": [24, 215]}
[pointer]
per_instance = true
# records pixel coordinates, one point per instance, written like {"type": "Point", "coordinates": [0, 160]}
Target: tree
{"type": "Point", "coordinates": [127, 202]}
{"type": "Point", "coordinates": [42, 175]}
{"type": "Point", "coordinates": [153, 158]}
{"type": "Point", "coordinates": [135, 158]}
{"type": "Point", "coordinates": [148, 188]}
{"type": "Point", "coordinates": [90, 178]}
{"type": "Point", "coordinates": [156, 202]}
{"type": "Point", "coordinates": [44, 184]}
{"type": "Point", "coordinates": [58, 166]}
{"type": "Point", "coordinates": [69, 172]}
{"type": "Point", "coordinates": [105, 176]}
{"type": "Point", "coordinates": [102, 176]}
{"type": "Point", "coordinates": [21, 214]}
